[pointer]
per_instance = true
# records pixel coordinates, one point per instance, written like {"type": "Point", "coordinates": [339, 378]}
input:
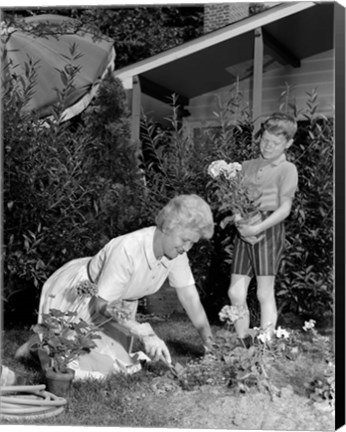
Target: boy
{"type": "Point", "coordinates": [277, 180]}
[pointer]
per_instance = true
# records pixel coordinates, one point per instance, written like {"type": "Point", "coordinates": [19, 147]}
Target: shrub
{"type": "Point", "coordinates": [305, 284]}
{"type": "Point", "coordinates": [68, 188]}
{"type": "Point", "coordinates": [174, 165]}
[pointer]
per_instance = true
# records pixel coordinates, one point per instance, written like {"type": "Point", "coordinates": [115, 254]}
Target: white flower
{"type": "Point", "coordinates": [221, 167]}
{"type": "Point", "coordinates": [264, 337]}
{"type": "Point", "coordinates": [232, 313]}
{"type": "Point", "coordinates": [235, 166]}
{"type": "Point", "coordinates": [229, 172]}
{"type": "Point", "coordinates": [308, 325]}
{"type": "Point", "coordinates": [216, 167]}
{"type": "Point", "coordinates": [281, 333]}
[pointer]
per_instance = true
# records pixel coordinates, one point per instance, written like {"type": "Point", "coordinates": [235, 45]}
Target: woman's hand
{"type": "Point", "coordinates": [209, 345]}
{"type": "Point", "coordinates": [156, 348]}
{"type": "Point", "coordinates": [189, 299]}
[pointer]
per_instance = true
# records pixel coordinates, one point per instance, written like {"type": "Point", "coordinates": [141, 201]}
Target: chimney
{"type": "Point", "coordinates": [221, 14]}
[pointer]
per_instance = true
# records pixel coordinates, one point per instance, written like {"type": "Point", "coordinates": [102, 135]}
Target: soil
{"type": "Point", "coordinates": [208, 400]}
{"type": "Point", "coordinates": [211, 402]}
{"type": "Point", "coordinates": [215, 407]}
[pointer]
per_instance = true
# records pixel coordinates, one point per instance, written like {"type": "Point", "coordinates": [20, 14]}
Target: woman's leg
{"type": "Point", "coordinates": [237, 293]}
{"type": "Point", "coordinates": [266, 298]}
{"type": "Point", "coordinates": [115, 341]}
{"type": "Point", "coordinates": [95, 361]}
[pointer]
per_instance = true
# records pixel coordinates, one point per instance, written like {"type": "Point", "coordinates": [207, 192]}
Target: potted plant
{"type": "Point", "coordinates": [232, 195]}
{"type": "Point", "coordinates": [60, 341]}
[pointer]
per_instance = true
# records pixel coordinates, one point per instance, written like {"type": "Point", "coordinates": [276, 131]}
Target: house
{"type": "Point", "coordinates": [287, 45]}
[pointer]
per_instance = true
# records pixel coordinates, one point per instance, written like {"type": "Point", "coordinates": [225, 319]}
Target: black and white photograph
{"type": "Point", "coordinates": [173, 215]}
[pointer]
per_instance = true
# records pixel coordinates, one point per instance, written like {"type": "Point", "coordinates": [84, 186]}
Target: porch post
{"type": "Point", "coordinates": [135, 109]}
{"type": "Point", "coordinates": [257, 78]}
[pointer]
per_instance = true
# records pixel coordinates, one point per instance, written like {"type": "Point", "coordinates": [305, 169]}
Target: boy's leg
{"type": "Point", "coordinates": [266, 258]}
{"type": "Point", "coordinates": [266, 298]}
{"type": "Point", "coordinates": [237, 293]}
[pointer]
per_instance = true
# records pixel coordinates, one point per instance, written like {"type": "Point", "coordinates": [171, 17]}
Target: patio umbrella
{"type": "Point", "coordinates": [54, 43]}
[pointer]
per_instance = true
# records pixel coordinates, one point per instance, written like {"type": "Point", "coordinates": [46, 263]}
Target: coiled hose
{"type": "Point", "coordinates": [29, 402]}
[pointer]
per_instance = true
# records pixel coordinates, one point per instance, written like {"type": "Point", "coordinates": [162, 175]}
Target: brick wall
{"type": "Point", "coordinates": [222, 14]}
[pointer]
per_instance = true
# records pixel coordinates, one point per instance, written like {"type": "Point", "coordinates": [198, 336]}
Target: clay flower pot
{"type": "Point", "coordinates": [59, 383]}
{"type": "Point", "coordinates": [250, 220]}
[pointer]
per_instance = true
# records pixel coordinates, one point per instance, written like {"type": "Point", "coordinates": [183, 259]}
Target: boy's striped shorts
{"type": "Point", "coordinates": [262, 258]}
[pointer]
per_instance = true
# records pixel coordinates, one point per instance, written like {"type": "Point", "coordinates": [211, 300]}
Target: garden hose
{"type": "Point", "coordinates": [29, 402]}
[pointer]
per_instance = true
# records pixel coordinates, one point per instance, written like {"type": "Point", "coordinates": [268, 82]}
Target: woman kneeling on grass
{"type": "Point", "coordinates": [126, 269]}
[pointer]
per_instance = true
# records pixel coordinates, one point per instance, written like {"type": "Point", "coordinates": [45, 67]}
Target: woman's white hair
{"type": "Point", "coordinates": [188, 212]}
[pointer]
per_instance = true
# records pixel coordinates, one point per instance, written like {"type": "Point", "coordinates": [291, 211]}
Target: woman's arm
{"type": "Point", "coordinates": [119, 317]}
{"type": "Point", "coordinates": [153, 345]}
{"type": "Point", "coordinates": [189, 299]}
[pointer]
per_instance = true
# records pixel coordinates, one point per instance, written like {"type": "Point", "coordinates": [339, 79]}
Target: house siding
{"type": "Point", "coordinates": [316, 72]}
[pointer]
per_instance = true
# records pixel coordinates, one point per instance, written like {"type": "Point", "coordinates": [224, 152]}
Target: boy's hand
{"type": "Point", "coordinates": [248, 230]}
{"type": "Point", "coordinates": [253, 240]}
{"type": "Point", "coordinates": [249, 233]}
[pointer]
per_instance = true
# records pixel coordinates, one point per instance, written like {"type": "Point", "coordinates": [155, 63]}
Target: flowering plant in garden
{"type": "Point", "coordinates": [86, 288]}
{"type": "Point", "coordinates": [231, 314]}
{"type": "Point", "coordinates": [232, 194]}
{"type": "Point", "coordinates": [309, 325]}
{"type": "Point", "coordinates": [249, 366]}
{"type": "Point", "coordinates": [62, 340]}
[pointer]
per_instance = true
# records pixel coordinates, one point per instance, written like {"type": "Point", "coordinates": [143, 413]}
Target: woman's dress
{"type": "Point", "coordinates": [124, 270]}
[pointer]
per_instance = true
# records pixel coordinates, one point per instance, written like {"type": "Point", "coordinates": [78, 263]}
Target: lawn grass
{"type": "Point", "coordinates": [128, 400]}
{"type": "Point", "coordinates": [119, 400]}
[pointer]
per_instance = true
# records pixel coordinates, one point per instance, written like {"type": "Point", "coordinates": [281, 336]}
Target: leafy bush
{"type": "Point", "coordinates": [173, 165]}
{"type": "Point", "coordinates": [306, 279]}
{"type": "Point", "coordinates": [68, 187]}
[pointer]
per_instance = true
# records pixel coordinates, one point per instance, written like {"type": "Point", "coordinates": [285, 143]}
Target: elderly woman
{"type": "Point", "coordinates": [126, 269]}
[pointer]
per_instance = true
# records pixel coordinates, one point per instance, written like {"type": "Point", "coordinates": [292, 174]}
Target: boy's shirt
{"type": "Point", "coordinates": [274, 179]}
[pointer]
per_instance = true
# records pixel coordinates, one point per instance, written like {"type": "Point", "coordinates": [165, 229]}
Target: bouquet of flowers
{"type": "Point", "coordinates": [232, 195]}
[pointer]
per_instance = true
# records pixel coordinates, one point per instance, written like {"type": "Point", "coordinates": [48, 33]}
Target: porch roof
{"type": "Point", "coordinates": [291, 31]}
